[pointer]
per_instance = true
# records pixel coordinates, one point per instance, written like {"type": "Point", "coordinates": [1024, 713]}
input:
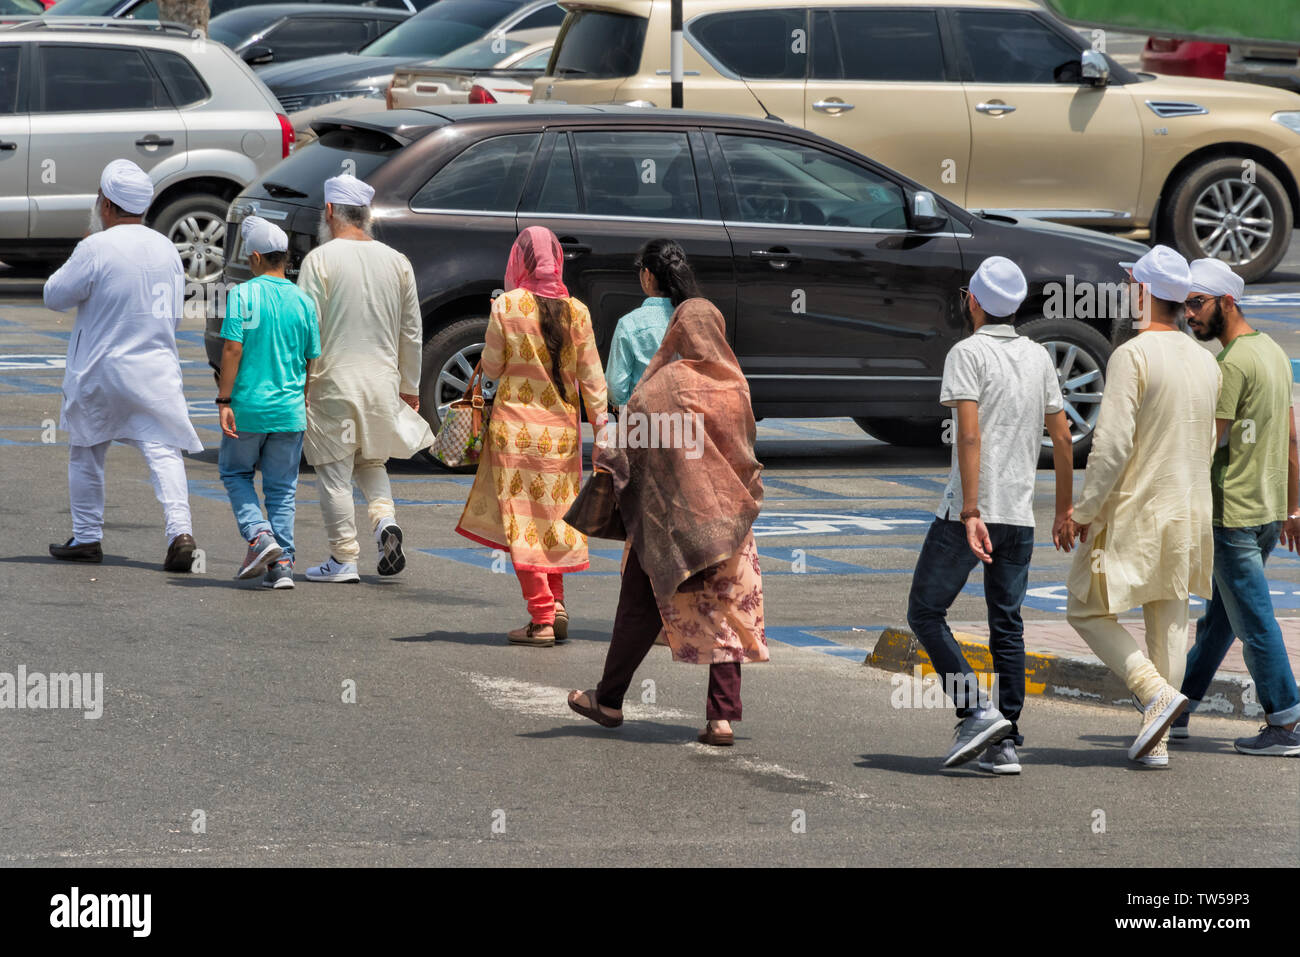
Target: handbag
{"type": "Point", "coordinates": [461, 434]}
{"type": "Point", "coordinates": [595, 511]}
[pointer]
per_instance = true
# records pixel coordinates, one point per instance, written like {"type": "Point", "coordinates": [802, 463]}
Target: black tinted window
{"type": "Point", "coordinates": [638, 174]}
{"type": "Point", "coordinates": [81, 79]}
{"type": "Point", "coordinates": [757, 44]}
{"type": "Point", "coordinates": [551, 16]}
{"type": "Point", "coordinates": [1008, 47]}
{"type": "Point", "coordinates": [560, 190]}
{"type": "Point", "coordinates": [598, 44]}
{"type": "Point", "coordinates": [877, 45]}
{"type": "Point", "coordinates": [182, 81]}
{"type": "Point", "coordinates": [441, 28]}
{"type": "Point", "coordinates": [779, 182]}
{"type": "Point", "coordinates": [312, 36]}
{"type": "Point", "coordinates": [9, 57]}
{"type": "Point", "coordinates": [489, 176]}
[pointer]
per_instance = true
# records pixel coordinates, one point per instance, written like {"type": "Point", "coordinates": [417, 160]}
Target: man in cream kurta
{"type": "Point", "coordinates": [122, 381]}
{"type": "Point", "coordinates": [363, 395]}
{"type": "Point", "coordinates": [1146, 503]}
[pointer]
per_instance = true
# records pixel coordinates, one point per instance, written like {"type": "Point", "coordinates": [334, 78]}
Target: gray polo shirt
{"type": "Point", "coordinates": [1013, 380]}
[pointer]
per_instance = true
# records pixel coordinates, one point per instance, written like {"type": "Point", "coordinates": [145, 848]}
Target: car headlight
{"type": "Point", "coordinates": [1288, 118]}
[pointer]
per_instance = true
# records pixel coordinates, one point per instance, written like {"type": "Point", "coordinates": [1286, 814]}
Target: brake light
{"type": "Point", "coordinates": [478, 94]}
{"type": "Point", "coordinates": [286, 135]}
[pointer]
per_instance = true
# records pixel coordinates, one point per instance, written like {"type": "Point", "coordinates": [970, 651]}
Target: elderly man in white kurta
{"type": "Point", "coordinates": [1146, 501]}
{"type": "Point", "coordinates": [123, 377]}
{"type": "Point", "coordinates": [363, 397]}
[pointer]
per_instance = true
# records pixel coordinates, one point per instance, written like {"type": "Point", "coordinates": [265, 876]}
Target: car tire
{"type": "Point", "coordinates": [917, 432]}
{"type": "Point", "coordinates": [197, 225]}
{"type": "Point", "coordinates": [443, 372]}
{"type": "Point", "coordinates": [1218, 184]}
{"type": "Point", "coordinates": [1082, 376]}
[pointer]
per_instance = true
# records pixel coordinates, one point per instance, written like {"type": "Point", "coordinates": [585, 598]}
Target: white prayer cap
{"type": "Point", "coordinates": [259, 236]}
{"type": "Point", "coordinates": [1214, 277]}
{"type": "Point", "coordinates": [348, 190]}
{"type": "Point", "coordinates": [127, 185]}
{"type": "Point", "coordinates": [1164, 272]}
{"type": "Point", "coordinates": [999, 286]}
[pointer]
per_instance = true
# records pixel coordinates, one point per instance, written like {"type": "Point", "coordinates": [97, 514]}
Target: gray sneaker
{"type": "Point", "coordinates": [1271, 740]}
{"type": "Point", "coordinates": [279, 575]}
{"type": "Point", "coordinates": [262, 550]}
{"type": "Point", "coordinates": [973, 734]}
{"type": "Point", "coordinates": [1001, 758]}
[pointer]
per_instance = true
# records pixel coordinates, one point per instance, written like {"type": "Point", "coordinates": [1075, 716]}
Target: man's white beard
{"type": "Point", "coordinates": [96, 221]}
{"type": "Point", "coordinates": [323, 232]}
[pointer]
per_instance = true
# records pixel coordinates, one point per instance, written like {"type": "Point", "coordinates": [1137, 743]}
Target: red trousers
{"type": "Point", "coordinates": [541, 590]}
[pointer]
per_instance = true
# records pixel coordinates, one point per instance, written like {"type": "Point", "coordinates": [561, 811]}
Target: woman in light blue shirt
{"type": "Point", "coordinates": [668, 281]}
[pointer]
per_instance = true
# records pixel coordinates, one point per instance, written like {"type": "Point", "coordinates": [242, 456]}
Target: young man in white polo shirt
{"type": "Point", "coordinates": [1004, 388]}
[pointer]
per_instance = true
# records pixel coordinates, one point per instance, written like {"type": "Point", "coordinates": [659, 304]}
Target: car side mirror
{"type": "Point", "coordinates": [258, 54]}
{"type": "Point", "coordinates": [927, 215]}
{"type": "Point", "coordinates": [1094, 68]}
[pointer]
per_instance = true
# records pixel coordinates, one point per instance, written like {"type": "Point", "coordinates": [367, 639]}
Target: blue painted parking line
{"type": "Point", "coordinates": [803, 638]}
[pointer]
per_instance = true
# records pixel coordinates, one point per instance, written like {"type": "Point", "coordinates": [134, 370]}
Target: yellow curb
{"type": "Point", "coordinates": [898, 650]}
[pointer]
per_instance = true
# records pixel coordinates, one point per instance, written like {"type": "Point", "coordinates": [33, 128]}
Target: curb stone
{"type": "Point", "coordinates": [1074, 679]}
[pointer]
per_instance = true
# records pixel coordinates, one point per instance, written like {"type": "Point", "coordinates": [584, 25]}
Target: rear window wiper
{"type": "Point", "coordinates": [279, 189]}
{"type": "Point", "coordinates": [566, 70]}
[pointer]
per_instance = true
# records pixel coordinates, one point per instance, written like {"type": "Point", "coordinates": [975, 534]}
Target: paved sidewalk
{"type": "Point", "coordinates": [1059, 638]}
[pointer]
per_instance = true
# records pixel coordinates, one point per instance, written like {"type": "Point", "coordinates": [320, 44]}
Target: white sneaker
{"type": "Point", "coordinates": [333, 571]}
{"type": "Point", "coordinates": [1156, 719]}
{"type": "Point", "coordinates": [1157, 757]}
{"type": "Point", "coordinates": [388, 537]}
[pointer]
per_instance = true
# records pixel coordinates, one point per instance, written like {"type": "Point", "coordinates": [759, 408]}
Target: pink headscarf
{"type": "Point", "coordinates": [537, 264]}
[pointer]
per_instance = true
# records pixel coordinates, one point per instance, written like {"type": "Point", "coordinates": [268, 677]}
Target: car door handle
{"type": "Point", "coordinates": [833, 105]}
{"type": "Point", "coordinates": [154, 139]}
{"type": "Point", "coordinates": [995, 108]}
{"type": "Point", "coordinates": [573, 249]}
{"type": "Point", "coordinates": [777, 258]}
{"type": "Point", "coordinates": [8, 146]}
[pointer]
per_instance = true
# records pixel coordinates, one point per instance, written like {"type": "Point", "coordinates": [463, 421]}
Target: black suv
{"type": "Point", "coordinates": [840, 279]}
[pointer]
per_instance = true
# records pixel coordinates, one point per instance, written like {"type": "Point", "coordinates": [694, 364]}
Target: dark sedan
{"type": "Point", "coordinates": [443, 27]}
{"type": "Point", "coordinates": [282, 32]}
{"type": "Point", "coordinates": [840, 279]}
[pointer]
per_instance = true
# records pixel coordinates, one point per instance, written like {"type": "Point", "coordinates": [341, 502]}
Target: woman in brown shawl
{"type": "Point", "coordinates": [688, 504]}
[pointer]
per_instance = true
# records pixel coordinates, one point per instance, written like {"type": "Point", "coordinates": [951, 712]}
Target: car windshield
{"type": "Point", "coordinates": [84, 8]}
{"type": "Point", "coordinates": [443, 27]}
{"type": "Point", "coordinates": [231, 33]}
{"type": "Point", "coordinates": [481, 54]}
{"type": "Point", "coordinates": [21, 6]}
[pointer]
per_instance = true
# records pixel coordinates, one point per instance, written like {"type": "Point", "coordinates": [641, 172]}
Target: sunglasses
{"type": "Point", "coordinates": [1196, 303]}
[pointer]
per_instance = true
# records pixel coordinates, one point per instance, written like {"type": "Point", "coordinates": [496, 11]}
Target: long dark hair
{"type": "Point", "coordinates": [666, 261]}
{"type": "Point", "coordinates": [553, 317]}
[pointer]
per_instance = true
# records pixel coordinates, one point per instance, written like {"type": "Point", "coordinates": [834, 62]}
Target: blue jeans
{"type": "Point", "coordinates": [278, 455]}
{"type": "Point", "coordinates": [1241, 607]}
{"type": "Point", "coordinates": [945, 563]}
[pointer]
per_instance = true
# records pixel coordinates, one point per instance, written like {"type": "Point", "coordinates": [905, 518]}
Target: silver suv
{"type": "Point", "coordinates": [75, 94]}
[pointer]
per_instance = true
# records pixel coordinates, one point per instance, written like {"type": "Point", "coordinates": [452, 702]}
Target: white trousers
{"type": "Point", "coordinates": [334, 482]}
{"type": "Point", "coordinates": [86, 487]}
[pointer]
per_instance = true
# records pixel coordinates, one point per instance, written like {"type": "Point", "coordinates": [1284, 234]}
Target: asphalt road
{"type": "Point", "coordinates": [223, 703]}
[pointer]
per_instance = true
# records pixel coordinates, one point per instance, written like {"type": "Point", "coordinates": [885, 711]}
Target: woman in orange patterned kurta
{"type": "Point", "coordinates": [541, 351]}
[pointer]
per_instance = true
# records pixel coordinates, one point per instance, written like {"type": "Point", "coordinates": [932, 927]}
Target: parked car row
{"type": "Point", "coordinates": [839, 277]}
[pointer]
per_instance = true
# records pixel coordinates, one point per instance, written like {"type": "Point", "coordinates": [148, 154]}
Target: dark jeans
{"type": "Point", "coordinates": [941, 572]}
{"type": "Point", "coordinates": [636, 625]}
{"type": "Point", "coordinates": [1241, 607]}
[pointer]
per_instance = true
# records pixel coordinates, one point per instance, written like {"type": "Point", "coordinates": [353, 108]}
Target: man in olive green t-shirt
{"type": "Point", "coordinates": [1254, 479]}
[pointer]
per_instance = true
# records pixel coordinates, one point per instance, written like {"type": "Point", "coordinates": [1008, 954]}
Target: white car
{"type": "Point", "coordinates": [496, 69]}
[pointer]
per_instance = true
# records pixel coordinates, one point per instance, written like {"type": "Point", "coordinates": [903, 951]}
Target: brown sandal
{"type": "Point", "coordinates": [719, 739]}
{"type": "Point", "coordinates": [561, 623]}
{"type": "Point", "coordinates": [594, 713]}
{"type": "Point", "coordinates": [529, 636]}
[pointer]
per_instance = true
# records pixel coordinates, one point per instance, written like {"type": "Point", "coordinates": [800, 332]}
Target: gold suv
{"type": "Point", "coordinates": [993, 103]}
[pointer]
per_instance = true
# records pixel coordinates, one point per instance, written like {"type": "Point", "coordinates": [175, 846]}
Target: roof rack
{"type": "Point", "coordinates": [19, 23]}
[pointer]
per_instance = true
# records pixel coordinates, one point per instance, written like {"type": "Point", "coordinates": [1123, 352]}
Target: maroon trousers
{"type": "Point", "coordinates": [636, 624]}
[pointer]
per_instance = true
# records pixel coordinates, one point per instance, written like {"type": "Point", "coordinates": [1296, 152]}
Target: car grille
{"type": "Point", "coordinates": [292, 104]}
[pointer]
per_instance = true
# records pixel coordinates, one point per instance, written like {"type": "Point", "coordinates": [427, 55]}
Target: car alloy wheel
{"type": "Point", "coordinates": [454, 376]}
{"type": "Point", "coordinates": [1233, 221]}
{"type": "Point", "coordinates": [199, 239]}
{"type": "Point", "coordinates": [1081, 380]}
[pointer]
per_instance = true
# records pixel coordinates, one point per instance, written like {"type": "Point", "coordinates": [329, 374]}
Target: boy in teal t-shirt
{"type": "Point", "coordinates": [271, 334]}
